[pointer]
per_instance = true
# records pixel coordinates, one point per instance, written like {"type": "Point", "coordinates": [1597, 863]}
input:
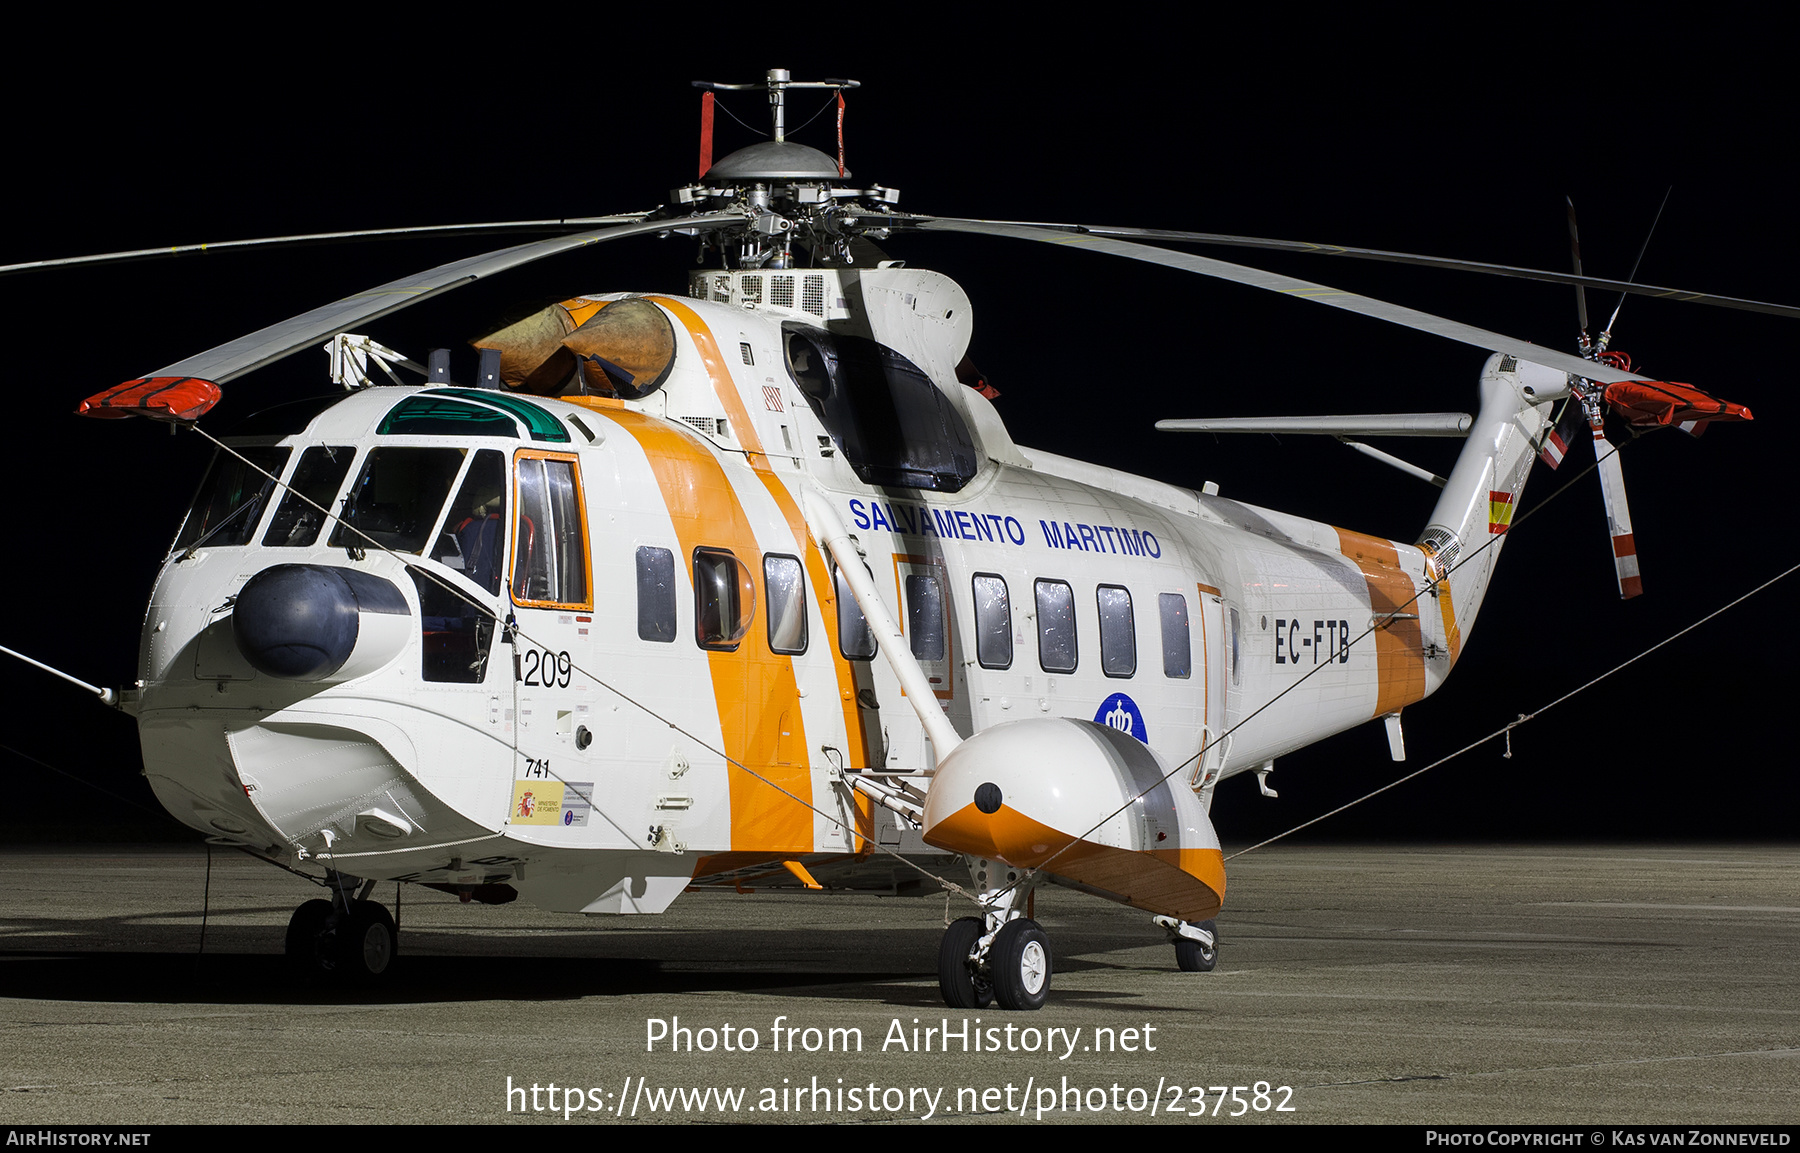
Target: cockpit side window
{"type": "Point", "coordinates": [396, 501]}
{"type": "Point", "coordinates": [232, 498]}
{"type": "Point", "coordinates": [550, 550]}
{"type": "Point", "coordinates": [315, 485]}
{"type": "Point", "coordinates": [473, 539]}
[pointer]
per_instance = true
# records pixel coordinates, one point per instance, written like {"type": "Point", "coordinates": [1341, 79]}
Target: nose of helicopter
{"type": "Point", "coordinates": [301, 622]}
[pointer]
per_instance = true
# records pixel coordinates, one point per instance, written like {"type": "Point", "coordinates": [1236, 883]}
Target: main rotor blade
{"type": "Point", "coordinates": [1606, 336]}
{"type": "Point", "coordinates": [1289, 286]}
{"type": "Point", "coordinates": [267, 345]}
{"type": "Point", "coordinates": [1580, 292]}
{"type": "Point", "coordinates": [573, 223]}
{"type": "Point", "coordinates": [1164, 234]}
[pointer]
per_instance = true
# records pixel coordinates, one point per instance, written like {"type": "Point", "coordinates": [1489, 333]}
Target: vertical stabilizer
{"type": "Point", "coordinates": [1484, 489]}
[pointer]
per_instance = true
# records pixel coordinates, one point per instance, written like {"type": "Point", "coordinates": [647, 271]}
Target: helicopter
{"type": "Point", "coordinates": [402, 614]}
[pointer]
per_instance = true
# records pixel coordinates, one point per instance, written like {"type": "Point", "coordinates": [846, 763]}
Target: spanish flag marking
{"type": "Point", "coordinates": [1500, 510]}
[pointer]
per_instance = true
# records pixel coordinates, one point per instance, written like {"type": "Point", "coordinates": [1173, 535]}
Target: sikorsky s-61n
{"type": "Point", "coordinates": [748, 586]}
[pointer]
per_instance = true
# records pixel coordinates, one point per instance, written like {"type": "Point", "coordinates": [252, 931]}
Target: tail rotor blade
{"type": "Point", "coordinates": [1618, 516]}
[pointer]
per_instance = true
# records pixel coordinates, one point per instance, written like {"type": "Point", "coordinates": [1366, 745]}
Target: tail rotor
{"type": "Point", "coordinates": [1645, 405]}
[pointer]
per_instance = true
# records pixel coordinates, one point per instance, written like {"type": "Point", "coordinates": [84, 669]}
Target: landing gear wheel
{"type": "Point", "coordinates": [367, 943]}
{"type": "Point", "coordinates": [305, 938]}
{"type": "Point", "coordinates": [961, 985]}
{"type": "Point", "coordinates": [1193, 957]}
{"type": "Point", "coordinates": [1019, 959]}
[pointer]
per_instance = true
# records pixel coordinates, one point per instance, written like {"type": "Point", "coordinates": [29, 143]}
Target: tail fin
{"type": "Point", "coordinates": [1484, 488]}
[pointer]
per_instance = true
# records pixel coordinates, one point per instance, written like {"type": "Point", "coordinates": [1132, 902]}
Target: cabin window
{"type": "Point", "coordinates": [550, 562]}
{"type": "Point", "coordinates": [656, 594]}
{"type": "Point", "coordinates": [396, 500]}
{"type": "Point", "coordinates": [993, 622]}
{"type": "Point", "coordinates": [925, 616]}
{"type": "Point", "coordinates": [1118, 632]}
{"type": "Point", "coordinates": [1056, 626]}
{"type": "Point", "coordinates": [856, 640]}
{"type": "Point", "coordinates": [473, 539]}
{"type": "Point", "coordinates": [784, 583]}
{"type": "Point", "coordinates": [1177, 645]}
{"type": "Point", "coordinates": [724, 599]}
{"type": "Point", "coordinates": [232, 498]}
{"type": "Point", "coordinates": [313, 488]}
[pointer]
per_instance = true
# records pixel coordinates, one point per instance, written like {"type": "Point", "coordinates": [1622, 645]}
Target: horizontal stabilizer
{"type": "Point", "coordinates": [1380, 424]}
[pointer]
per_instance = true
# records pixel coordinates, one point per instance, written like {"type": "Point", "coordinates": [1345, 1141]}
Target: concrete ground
{"type": "Point", "coordinates": [1460, 984]}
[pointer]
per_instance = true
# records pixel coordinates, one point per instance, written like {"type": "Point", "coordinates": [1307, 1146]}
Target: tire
{"type": "Point", "coordinates": [1020, 962]}
{"type": "Point", "coordinates": [1193, 957]}
{"type": "Point", "coordinates": [367, 943]}
{"type": "Point", "coordinates": [305, 933]}
{"type": "Point", "coordinates": [961, 986]}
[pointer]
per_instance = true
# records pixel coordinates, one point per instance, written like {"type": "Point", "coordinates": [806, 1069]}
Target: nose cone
{"type": "Point", "coordinates": [299, 622]}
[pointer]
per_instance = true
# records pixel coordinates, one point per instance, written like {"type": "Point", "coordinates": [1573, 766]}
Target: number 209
{"type": "Point", "coordinates": [551, 670]}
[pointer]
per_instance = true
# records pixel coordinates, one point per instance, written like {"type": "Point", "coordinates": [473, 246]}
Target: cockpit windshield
{"type": "Point", "coordinates": [397, 499]}
{"type": "Point", "coordinates": [232, 498]}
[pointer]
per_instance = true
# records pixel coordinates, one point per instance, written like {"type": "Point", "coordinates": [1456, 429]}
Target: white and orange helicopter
{"type": "Point", "coordinates": [749, 587]}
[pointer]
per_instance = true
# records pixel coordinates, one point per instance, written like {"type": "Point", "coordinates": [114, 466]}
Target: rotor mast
{"type": "Point", "coordinates": [777, 81]}
{"type": "Point", "coordinates": [787, 191]}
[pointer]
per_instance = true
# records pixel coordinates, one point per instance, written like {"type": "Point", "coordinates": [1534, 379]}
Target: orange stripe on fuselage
{"type": "Point", "coordinates": [1399, 644]}
{"type": "Point", "coordinates": [1446, 604]}
{"type": "Point", "coordinates": [754, 687]}
{"type": "Point", "coordinates": [824, 591]}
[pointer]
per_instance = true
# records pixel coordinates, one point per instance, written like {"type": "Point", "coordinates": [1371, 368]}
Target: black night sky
{"type": "Point", "coordinates": [1443, 145]}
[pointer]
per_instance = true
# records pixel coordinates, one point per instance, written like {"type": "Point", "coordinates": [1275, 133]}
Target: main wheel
{"type": "Point", "coordinates": [305, 938]}
{"type": "Point", "coordinates": [367, 942]}
{"type": "Point", "coordinates": [1193, 957]}
{"type": "Point", "coordinates": [1019, 959]}
{"type": "Point", "coordinates": [962, 987]}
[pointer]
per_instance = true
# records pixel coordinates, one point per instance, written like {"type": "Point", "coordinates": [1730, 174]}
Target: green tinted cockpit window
{"type": "Point", "coordinates": [428, 415]}
{"type": "Point", "coordinates": [543, 426]}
